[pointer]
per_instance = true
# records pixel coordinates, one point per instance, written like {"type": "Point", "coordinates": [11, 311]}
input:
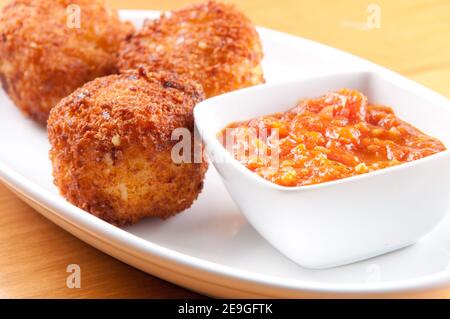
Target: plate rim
{"type": "Point", "coordinates": [196, 267]}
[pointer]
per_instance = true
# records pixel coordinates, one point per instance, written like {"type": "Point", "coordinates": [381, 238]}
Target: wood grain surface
{"type": "Point", "coordinates": [413, 39]}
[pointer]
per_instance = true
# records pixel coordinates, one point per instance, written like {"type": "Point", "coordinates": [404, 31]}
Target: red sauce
{"type": "Point", "coordinates": [331, 137]}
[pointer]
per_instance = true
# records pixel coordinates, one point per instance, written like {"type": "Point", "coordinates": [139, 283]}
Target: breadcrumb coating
{"type": "Point", "coordinates": [212, 43]}
{"type": "Point", "coordinates": [44, 55]}
{"type": "Point", "coordinates": [111, 146]}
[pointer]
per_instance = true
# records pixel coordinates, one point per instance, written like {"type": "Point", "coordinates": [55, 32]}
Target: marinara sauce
{"type": "Point", "coordinates": [331, 137]}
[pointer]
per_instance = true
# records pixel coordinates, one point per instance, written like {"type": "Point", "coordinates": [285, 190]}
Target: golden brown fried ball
{"type": "Point", "coordinates": [213, 43]}
{"type": "Point", "coordinates": [111, 146]}
{"type": "Point", "coordinates": [45, 54]}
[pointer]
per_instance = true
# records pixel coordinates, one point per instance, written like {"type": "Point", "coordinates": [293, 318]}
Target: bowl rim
{"type": "Point", "coordinates": [212, 143]}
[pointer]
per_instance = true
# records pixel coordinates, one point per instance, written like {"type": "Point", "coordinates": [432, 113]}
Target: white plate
{"type": "Point", "coordinates": [210, 248]}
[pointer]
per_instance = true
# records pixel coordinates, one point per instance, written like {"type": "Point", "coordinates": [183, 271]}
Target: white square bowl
{"type": "Point", "coordinates": [347, 220]}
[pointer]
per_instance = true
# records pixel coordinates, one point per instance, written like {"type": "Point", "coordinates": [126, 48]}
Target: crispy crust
{"type": "Point", "coordinates": [213, 43]}
{"type": "Point", "coordinates": [43, 58]}
{"type": "Point", "coordinates": [111, 146]}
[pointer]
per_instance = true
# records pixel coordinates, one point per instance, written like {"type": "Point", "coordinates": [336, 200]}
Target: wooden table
{"type": "Point", "coordinates": [413, 39]}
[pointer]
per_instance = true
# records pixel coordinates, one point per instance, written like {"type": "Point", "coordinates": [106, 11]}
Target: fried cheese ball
{"type": "Point", "coordinates": [212, 43]}
{"type": "Point", "coordinates": [49, 48]}
{"type": "Point", "coordinates": [111, 146]}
